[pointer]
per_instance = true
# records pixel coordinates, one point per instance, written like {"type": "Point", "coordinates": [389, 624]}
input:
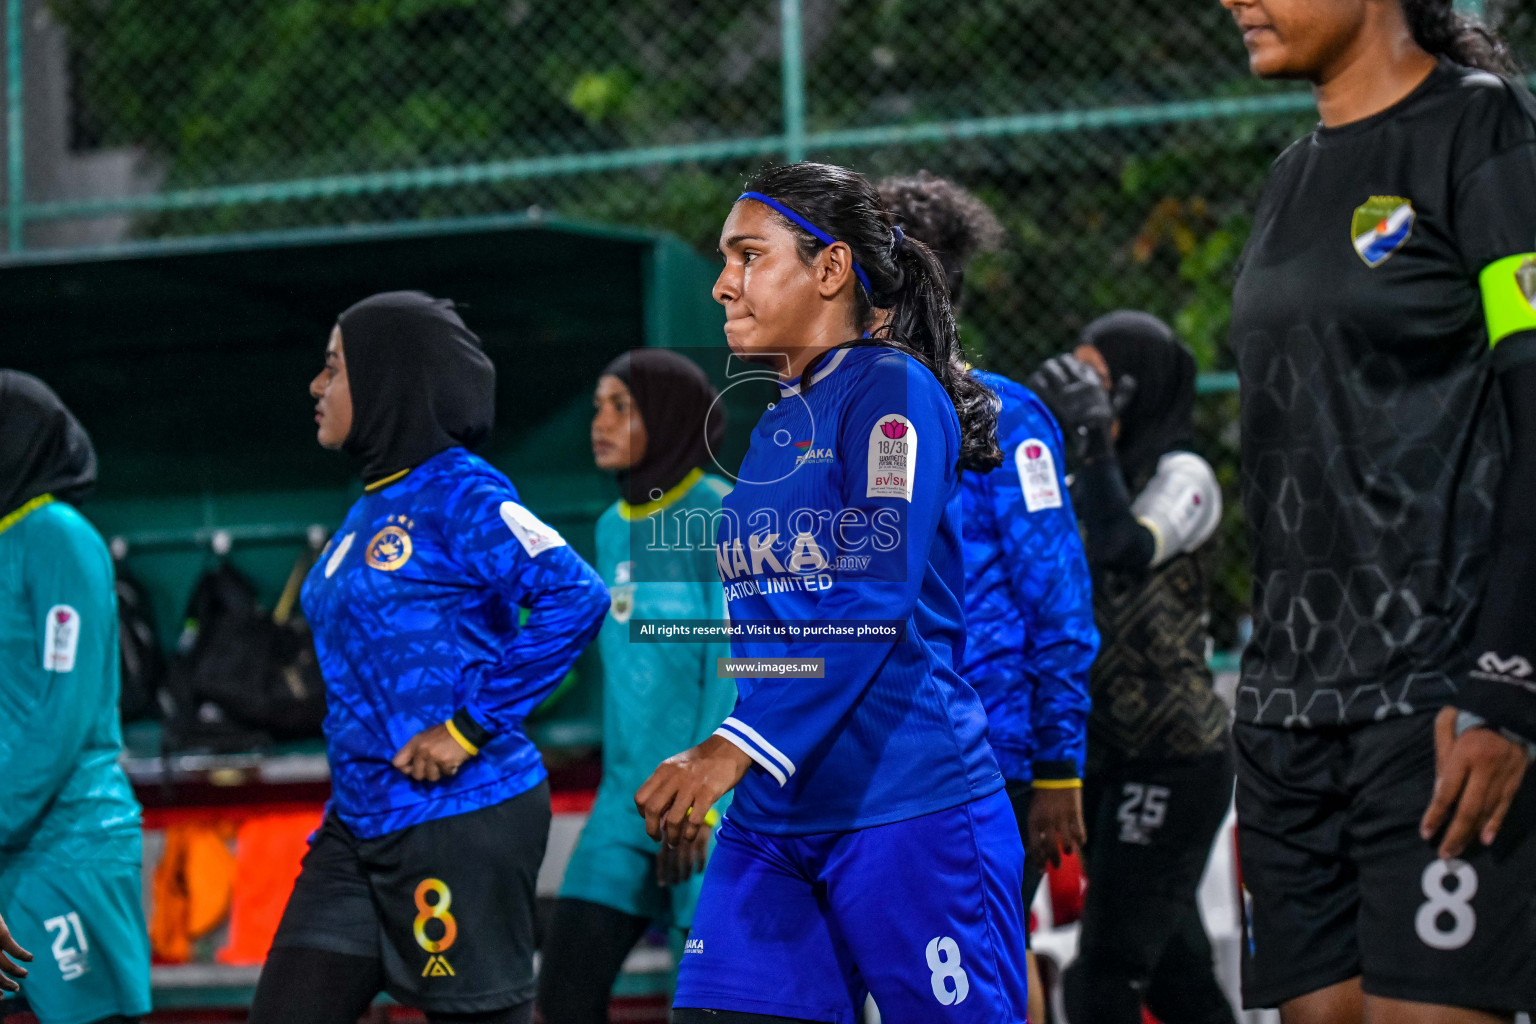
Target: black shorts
{"type": "Point", "coordinates": [1340, 885]}
{"type": "Point", "coordinates": [447, 905]}
{"type": "Point", "coordinates": [1151, 824]}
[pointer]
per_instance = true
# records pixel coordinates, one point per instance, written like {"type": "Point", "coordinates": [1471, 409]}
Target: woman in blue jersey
{"type": "Point", "coordinates": [421, 880]}
{"type": "Point", "coordinates": [870, 847]}
{"type": "Point", "coordinates": [1030, 635]}
{"type": "Point", "coordinates": [70, 844]}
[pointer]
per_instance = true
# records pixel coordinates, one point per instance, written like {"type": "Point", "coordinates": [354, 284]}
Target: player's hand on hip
{"type": "Point", "coordinates": [431, 754]}
{"type": "Point", "coordinates": [1055, 825]}
{"type": "Point", "coordinates": [9, 945]}
{"type": "Point", "coordinates": [676, 864]}
{"type": "Point", "coordinates": [1477, 774]}
{"type": "Point", "coordinates": [682, 789]}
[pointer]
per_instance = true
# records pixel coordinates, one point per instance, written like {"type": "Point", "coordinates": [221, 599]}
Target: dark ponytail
{"type": "Point", "coordinates": [905, 278]}
{"type": "Point", "coordinates": [949, 220]}
{"type": "Point", "coordinates": [1440, 30]}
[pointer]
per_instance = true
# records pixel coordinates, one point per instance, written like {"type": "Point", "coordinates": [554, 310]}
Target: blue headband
{"type": "Point", "coordinates": [812, 228]}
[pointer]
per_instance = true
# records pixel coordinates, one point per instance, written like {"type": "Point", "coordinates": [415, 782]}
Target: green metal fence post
{"type": "Point", "coordinates": [14, 129]}
{"type": "Point", "coordinates": [793, 42]}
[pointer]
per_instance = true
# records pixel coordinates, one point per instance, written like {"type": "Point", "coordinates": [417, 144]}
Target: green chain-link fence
{"type": "Point", "coordinates": [1122, 142]}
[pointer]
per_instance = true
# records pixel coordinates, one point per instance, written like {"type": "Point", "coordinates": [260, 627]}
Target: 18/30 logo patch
{"type": "Point", "coordinates": [61, 638]}
{"type": "Point", "coordinates": [1380, 227]}
{"type": "Point", "coordinates": [892, 458]}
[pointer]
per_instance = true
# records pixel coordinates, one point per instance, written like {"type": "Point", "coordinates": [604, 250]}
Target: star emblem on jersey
{"type": "Point", "coordinates": [391, 547]}
{"type": "Point", "coordinates": [1525, 278]}
{"type": "Point", "coordinates": [1381, 226]}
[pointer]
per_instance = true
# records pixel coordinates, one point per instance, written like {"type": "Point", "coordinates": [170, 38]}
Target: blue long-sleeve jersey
{"type": "Point", "coordinates": [1030, 634]}
{"type": "Point", "coordinates": [847, 513]}
{"type": "Point", "coordinates": [414, 607]}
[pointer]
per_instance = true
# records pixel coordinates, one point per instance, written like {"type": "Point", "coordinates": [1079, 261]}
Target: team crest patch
{"type": "Point", "coordinates": [621, 603]}
{"type": "Point", "coordinates": [1525, 279]}
{"type": "Point", "coordinates": [1381, 226]}
{"type": "Point", "coordinates": [391, 547]}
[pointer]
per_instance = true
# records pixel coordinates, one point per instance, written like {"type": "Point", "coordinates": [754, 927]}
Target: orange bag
{"type": "Point", "coordinates": [193, 884]}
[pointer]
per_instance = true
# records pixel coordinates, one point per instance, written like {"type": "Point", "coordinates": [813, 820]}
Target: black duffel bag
{"type": "Point", "coordinates": [245, 677]}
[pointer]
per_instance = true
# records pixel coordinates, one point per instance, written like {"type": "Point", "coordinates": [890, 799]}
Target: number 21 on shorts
{"type": "Point", "coordinates": [950, 985]}
{"type": "Point", "coordinates": [1446, 920]}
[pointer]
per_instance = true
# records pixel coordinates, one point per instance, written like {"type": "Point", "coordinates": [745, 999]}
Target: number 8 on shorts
{"type": "Point", "coordinates": [950, 985]}
{"type": "Point", "coordinates": [1447, 905]}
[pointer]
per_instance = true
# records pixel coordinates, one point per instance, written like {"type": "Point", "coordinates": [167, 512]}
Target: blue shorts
{"type": "Point", "coordinates": [924, 914]}
{"type": "Point", "coordinates": [85, 928]}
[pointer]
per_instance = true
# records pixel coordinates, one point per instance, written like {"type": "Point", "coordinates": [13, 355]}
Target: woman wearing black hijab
{"type": "Point", "coordinates": [1158, 780]}
{"type": "Point", "coordinates": [421, 880]}
{"type": "Point", "coordinates": [656, 424]}
{"type": "Point", "coordinates": [70, 844]}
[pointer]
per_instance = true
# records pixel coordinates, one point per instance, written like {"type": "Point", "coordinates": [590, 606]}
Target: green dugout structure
{"type": "Point", "coordinates": [189, 361]}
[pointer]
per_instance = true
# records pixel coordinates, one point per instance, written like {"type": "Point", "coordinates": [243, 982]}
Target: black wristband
{"type": "Point", "coordinates": [1054, 771]}
{"type": "Point", "coordinates": [477, 734]}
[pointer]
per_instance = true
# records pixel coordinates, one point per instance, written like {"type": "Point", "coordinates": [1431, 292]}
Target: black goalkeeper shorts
{"type": "Point", "coordinates": [1340, 885]}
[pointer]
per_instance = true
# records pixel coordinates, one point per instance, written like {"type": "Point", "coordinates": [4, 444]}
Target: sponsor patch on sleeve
{"type": "Point", "coordinates": [892, 457]}
{"type": "Point", "coordinates": [1037, 475]}
{"type": "Point", "coordinates": [531, 532]}
{"type": "Point", "coordinates": [61, 639]}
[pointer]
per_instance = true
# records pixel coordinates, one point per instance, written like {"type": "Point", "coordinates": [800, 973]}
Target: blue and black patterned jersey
{"type": "Point", "coordinates": [415, 607]}
{"type": "Point", "coordinates": [846, 514]}
{"type": "Point", "coordinates": [1030, 635]}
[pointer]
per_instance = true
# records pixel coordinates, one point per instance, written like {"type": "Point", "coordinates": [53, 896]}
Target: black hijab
{"type": "Point", "coordinates": [43, 448]}
{"type": "Point", "coordinates": [1158, 416]}
{"type": "Point", "coordinates": [684, 423]}
{"type": "Point", "coordinates": [420, 382]}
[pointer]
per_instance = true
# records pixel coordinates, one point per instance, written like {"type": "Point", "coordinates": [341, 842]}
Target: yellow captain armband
{"type": "Point", "coordinates": [1509, 296]}
{"type": "Point", "coordinates": [1057, 784]}
{"type": "Point", "coordinates": [453, 731]}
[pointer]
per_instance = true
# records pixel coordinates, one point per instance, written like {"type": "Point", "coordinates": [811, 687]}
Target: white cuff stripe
{"type": "Point", "coordinates": [754, 754]}
{"type": "Point", "coordinates": [757, 737]}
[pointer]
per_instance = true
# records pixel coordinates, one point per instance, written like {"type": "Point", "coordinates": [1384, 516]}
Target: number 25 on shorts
{"type": "Point", "coordinates": [950, 985]}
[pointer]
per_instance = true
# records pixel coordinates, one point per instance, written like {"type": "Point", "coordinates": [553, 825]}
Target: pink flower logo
{"type": "Point", "coordinates": [893, 429]}
{"type": "Point", "coordinates": [63, 617]}
{"type": "Point", "coordinates": [1033, 451]}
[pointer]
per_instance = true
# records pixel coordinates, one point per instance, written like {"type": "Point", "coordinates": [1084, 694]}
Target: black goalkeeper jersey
{"type": "Point", "coordinates": [1373, 436]}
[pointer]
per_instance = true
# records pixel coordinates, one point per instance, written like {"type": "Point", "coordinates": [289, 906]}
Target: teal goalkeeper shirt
{"type": "Point", "coordinates": [659, 699]}
{"type": "Point", "coordinates": [65, 799]}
